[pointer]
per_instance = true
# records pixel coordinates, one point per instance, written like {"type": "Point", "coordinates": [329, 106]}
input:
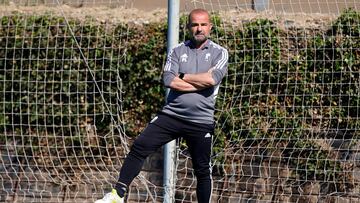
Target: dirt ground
{"type": "Point", "coordinates": [287, 6]}
{"type": "Point", "coordinates": [299, 13]}
{"type": "Point", "coordinates": [106, 14]}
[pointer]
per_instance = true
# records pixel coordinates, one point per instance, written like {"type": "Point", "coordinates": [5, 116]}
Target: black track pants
{"type": "Point", "coordinates": [163, 129]}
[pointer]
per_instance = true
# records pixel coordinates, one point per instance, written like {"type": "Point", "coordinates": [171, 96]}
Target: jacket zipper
{"type": "Point", "coordinates": [197, 62]}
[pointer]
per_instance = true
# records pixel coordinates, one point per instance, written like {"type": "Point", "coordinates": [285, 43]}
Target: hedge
{"type": "Point", "coordinates": [284, 88]}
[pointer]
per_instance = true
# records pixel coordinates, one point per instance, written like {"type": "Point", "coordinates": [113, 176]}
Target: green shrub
{"type": "Point", "coordinates": [270, 94]}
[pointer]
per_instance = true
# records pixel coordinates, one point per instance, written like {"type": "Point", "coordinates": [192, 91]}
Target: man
{"type": "Point", "coordinates": [193, 72]}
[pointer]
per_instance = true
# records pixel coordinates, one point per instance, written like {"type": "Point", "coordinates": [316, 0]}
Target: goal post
{"type": "Point", "coordinates": [170, 153]}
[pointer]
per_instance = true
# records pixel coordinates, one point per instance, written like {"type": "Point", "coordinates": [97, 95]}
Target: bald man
{"type": "Point", "coordinates": [193, 72]}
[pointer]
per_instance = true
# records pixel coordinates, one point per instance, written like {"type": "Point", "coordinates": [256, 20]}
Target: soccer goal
{"type": "Point", "coordinates": [79, 81]}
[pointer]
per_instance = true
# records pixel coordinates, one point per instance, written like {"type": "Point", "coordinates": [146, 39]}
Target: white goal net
{"type": "Point", "coordinates": [79, 81]}
{"type": "Point", "coordinates": [287, 114]}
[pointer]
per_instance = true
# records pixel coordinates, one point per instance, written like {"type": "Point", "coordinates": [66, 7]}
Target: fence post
{"type": "Point", "coordinates": [170, 148]}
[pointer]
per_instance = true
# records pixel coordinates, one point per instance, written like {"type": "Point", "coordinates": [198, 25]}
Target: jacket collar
{"type": "Point", "coordinates": [190, 44]}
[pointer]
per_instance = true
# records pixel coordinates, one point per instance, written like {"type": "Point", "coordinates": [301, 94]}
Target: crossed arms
{"type": "Point", "coordinates": [193, 82]}
{"type": "Point", "coordinates": [197, 81]}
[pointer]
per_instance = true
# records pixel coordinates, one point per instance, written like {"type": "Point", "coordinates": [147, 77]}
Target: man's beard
{"type": "Point", "coordinates": [199, 39]}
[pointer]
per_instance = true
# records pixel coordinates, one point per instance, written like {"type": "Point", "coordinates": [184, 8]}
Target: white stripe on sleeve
{"type": "Point", "coordinates": [224, 57]}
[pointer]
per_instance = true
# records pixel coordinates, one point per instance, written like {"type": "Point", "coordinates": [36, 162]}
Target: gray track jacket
{"type": "Point", "coordinates": [197, 106]}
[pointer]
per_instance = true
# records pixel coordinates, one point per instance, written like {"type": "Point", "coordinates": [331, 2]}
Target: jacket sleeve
{"type": "Point", "coordinates": [171, 68]}
{"type": "Point", "coordinates": [221, 64]}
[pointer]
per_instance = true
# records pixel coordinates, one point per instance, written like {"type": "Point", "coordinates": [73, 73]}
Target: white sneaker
{"type": "Point", "coordinates": [111, 197]}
